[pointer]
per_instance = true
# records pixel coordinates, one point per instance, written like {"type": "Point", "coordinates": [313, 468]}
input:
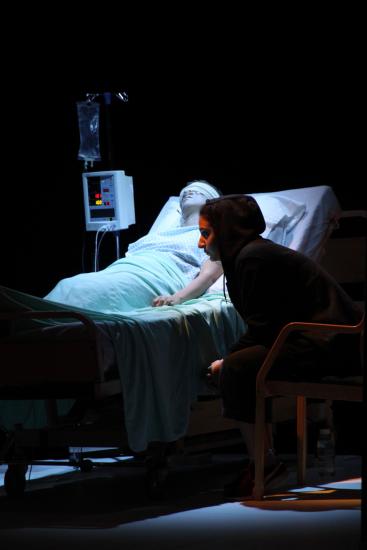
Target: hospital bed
{"type": "Point", "coordinates": [141, 370]}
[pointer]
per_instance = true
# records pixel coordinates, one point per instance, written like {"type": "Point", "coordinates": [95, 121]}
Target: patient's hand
{"type": "Point", "coordinates": [169, 300]}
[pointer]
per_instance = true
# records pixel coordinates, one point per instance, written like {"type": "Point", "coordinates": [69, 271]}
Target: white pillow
{"type": "Point", "coordinates": [279, 211]}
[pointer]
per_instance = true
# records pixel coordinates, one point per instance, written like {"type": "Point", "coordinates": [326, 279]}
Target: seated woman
{"type": "Point", "coordinates": [164, 268]}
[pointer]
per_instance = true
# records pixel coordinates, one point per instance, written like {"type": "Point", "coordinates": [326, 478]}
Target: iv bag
{"type": "Point", "coordinates": [88, 116]}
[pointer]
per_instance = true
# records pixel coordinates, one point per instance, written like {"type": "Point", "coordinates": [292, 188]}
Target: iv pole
{"type": "Point", "coordinates": [107, 97]}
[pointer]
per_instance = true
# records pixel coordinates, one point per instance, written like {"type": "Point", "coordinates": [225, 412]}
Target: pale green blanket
{"type": "Point", "coordinates": [160, 354]}
{"type": "Point", "coordinates": [127, 284]}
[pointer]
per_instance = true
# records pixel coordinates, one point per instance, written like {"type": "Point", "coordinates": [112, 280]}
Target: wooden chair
{"type": "Point", "coordinates": [341, 390]}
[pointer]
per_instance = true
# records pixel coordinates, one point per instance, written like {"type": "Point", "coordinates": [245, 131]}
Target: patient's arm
{"type": "Point", "coordinates": [209, 273]}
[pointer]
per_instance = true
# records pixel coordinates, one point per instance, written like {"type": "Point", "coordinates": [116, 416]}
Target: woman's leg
{"type": "Point", "coordinates": [238, 388]}
{"type": "Point", "coordinates": [237, 383]}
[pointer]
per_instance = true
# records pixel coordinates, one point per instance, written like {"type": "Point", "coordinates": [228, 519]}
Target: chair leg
{"type": "Point", "coordinates": [301, 439]}
{"type": "Point", "coordinates": [258, 491]}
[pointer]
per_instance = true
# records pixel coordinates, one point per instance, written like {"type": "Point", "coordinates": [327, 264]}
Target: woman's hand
{"type": "Point", "coordinates": [215, 366]}
{"type": "Point", "coordinates": [213, 372]}
{"type": "Point", "coordinates": [169, 300]}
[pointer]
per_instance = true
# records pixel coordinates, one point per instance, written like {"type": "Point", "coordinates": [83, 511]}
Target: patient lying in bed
{"type": "Point", "coordinates": [160, 268]}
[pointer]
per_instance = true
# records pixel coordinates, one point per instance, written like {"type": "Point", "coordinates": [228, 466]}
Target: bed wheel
{"type": "Point", "coordinates": [14, 480]}
{"type": "Point", "coordinates": [156, 482]}
{"type": "Point", "coordinates": [86, 465]}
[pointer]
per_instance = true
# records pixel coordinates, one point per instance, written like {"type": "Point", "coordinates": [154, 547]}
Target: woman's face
{"type": "Point", "coordinates": [207, 239]}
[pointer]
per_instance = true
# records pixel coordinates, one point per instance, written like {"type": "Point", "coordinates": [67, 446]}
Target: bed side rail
{"type": "Point", "coordinates": [35, 359]}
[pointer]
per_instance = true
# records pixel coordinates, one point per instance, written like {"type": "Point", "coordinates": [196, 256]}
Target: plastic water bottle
{"type": "Point", "coordinates": [326, 453]}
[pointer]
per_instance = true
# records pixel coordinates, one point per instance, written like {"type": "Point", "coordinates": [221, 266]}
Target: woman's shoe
{"type": "Point", "coordinates": [243, 485]}
{"type": "Point", "coordinates": [275, 475]}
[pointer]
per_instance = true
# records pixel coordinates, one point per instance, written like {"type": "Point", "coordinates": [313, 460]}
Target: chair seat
{"type": "Point", "coordinates": [334, 391]}
{"type": "Point", "coordinates": [347, 380]}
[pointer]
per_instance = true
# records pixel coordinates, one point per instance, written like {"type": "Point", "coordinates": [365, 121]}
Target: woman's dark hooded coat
{"type": "Point", "coordinates": [271, 285]}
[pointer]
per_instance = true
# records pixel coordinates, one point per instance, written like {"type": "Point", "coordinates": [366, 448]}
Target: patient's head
{"type": "Point", "coordinates": [192, 197]}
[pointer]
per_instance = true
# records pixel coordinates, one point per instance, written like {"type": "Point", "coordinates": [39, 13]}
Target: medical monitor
{"type": "Point", "coordinates": [108, 200]}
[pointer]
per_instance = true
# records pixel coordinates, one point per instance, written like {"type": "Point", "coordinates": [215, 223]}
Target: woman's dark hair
{"type": "Point", "coordinates": [235, 219]}
{"type": "Point", "coordinates": [244, 209]}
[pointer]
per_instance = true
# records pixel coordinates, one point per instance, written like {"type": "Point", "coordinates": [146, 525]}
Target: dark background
{"type": "Point", "coordinates": [249, 104]}
{"type": "Point", "coordinates": [253, 102]}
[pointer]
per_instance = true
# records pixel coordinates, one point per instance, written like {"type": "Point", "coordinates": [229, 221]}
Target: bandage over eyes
{"type": "Point", "coordinates": [201, 187]}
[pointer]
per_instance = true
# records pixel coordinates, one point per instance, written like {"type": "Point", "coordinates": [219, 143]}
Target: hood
{"type": "Point", "coordinates": [236, 221]}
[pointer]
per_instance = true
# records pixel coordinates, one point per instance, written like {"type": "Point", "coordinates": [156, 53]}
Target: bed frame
{"type": "Point", "coordinates": [73, 369]}
{"type": "Point", "coordinates": [52, 369]}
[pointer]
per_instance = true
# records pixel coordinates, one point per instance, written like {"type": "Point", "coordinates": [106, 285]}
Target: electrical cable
{"type": "Point", "coordinates": [117, 244]}
{"type": "Point", "coordinates": [97, 245]}
{"type": "Point", "coordinates": [100, 241]}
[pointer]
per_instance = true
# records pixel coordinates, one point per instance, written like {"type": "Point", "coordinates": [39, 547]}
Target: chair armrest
{"type": "Point", "coordinates": [305, 327]}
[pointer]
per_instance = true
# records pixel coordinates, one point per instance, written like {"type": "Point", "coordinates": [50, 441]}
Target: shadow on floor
{"type": "Point", "coordinates": [115, 495]}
